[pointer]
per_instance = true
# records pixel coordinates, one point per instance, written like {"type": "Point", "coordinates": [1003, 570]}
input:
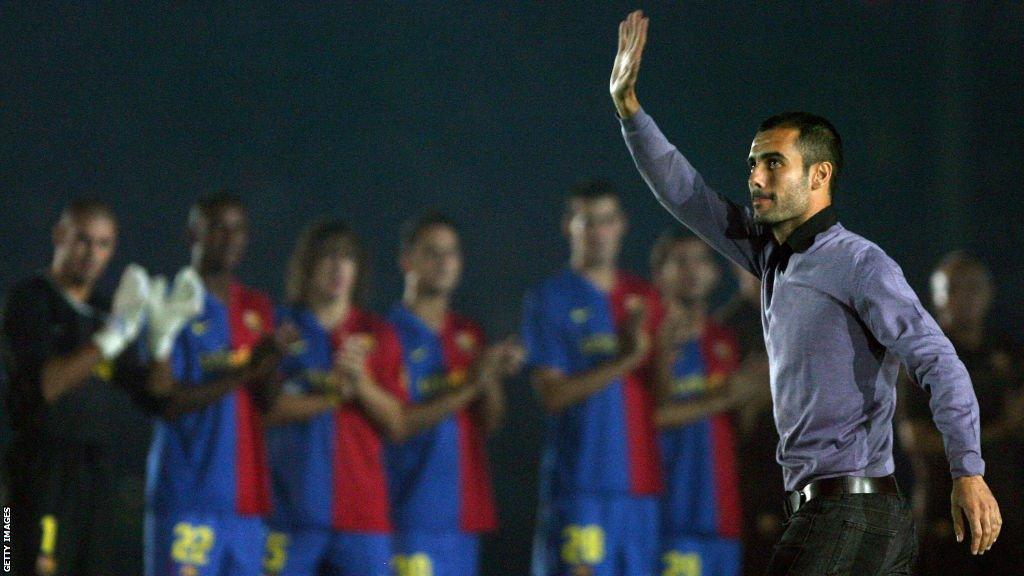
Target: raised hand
{"type": "Point", "coordinates": [168, 313]}
{"type": "Point", "coordinates": [622, 85]}
{"type": "Point", "coordinates": [126, 312]}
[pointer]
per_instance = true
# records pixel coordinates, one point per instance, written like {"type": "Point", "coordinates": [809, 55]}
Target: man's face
{"type": "Point", "coordinates": [334, 275]}
{"type": "Point", "coordinates": [435, 260]}
{"type": "Point", "coordinates": [221, 237]}
{"type": "Point", "coordinates": [961, 293]}
{"type": "Point", "coordinates": [779, 184]}
{"type": "Point", "coordinates": [689, 272]}
{"type": "Point", "coordinates": [595, 229]}
{"type": "Point", "coordinates": [82, 248]}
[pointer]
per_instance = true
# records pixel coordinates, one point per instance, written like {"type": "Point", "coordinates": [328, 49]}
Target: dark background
{"type": "Point", "coordinates": [489, 112]}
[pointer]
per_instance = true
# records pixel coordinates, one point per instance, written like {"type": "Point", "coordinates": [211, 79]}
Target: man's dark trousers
{"type": "Point", "coordinates": [850, 534]}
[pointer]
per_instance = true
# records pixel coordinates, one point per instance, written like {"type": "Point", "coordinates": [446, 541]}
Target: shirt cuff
{"type": "Point", "coordinates": [969, 464]}
{"type": "Point", "coordinates": [636, 122]}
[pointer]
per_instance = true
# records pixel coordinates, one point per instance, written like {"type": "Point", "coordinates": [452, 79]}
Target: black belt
{"type": "Point", "coordinates": [839, 486]}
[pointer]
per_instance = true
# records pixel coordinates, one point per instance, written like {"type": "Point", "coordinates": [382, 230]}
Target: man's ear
{"type": "Point", "coordinates": [821, 175]}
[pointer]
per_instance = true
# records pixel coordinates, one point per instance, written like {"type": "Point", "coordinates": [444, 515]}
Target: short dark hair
{"type": "Point", "coordinates": [313, 244]}
{"type": "Point", "coordinates": [818, 139]}
{"type": "Point", "coordinates": [81, 208]}
{"type": "Point", "coordinates": [413, 228]}
{"type": "Point", "coordinates": [210, 204]}
{"type": "Point", "coordinates": [666, 240]}
{"type": "Point", "coordinates": [587, 190]}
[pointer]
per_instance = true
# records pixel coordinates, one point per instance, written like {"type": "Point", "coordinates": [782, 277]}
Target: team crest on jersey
{"type": "Point", "coordinates": [579, 315]}
{"type": "Point", "coordinates": [252, 320]}
{"type": "Point", "coordinates": [365, 340]}
{"type": "Point", "coordinates": [199, 328]}
{"type": "Point", "coordinates": [418, 355]}
{"type": "Point", "coordinates": [465, 340]}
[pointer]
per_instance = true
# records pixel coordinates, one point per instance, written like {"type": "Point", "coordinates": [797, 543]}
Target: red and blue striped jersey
{"type": "Point", "coordinates": [438, 478]}
{"type": "Point", "coordinates": [328, 472]}
{"type": "Point", "coordinates": [606, 443]}
{"type": "Point", "coordinates": [214, 459]}
{"type": "Point", "coordinates": [702, 485]}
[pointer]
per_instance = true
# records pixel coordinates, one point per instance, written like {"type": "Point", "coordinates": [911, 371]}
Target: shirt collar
{"type": "Point", "coordinates": [803, 236]}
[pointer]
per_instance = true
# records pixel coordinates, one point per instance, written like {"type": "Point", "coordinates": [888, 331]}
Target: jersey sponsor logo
{"type": "Point", "coordinates": [680, 564]}
{"type": "Point", "coordinates": [583, 545]}
{"type": "Point", "coordinates": [225, 360]}
{"type": "Point", "coordinates": [600, 345]}
{"type": "Point", "coordinates": [322, 381]}
{"type": "Point", "coordinates": [192, 544]}
{"type": "Point", "coordinates": [689, 385]}
{"type": "Point", "coordinates": [441, 383]}
{"type": "Point", "coordinates": [579, 315]}
{"type": "Point", "coordinates": [418, 564]}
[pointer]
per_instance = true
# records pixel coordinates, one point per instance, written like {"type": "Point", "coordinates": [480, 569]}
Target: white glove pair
{"type": "Point", "coordinates": [138, 296]}
{"type": "Point", "coordinates": [169, 312]}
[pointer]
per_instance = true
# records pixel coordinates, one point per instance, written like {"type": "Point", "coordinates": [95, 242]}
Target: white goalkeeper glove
{"type": "Point", "coordinates": [168, 313]}
{"type": "Point", "coordinates": [126, 312]}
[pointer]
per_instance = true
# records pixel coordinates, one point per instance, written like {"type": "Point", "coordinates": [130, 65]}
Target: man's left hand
{"type": "Point", "coordinates": [972, 498]}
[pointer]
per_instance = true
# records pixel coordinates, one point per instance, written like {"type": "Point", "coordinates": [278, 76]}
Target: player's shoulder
{"type": "Point", "coordinates": [34, 293]}
{"type": "Point", "coordinates": [32, 286]}
{"type": "Point", "coordinates": [563, 281]}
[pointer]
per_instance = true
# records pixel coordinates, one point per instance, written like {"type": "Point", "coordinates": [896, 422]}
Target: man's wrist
{"type": "Point", "coordinates": [627, 105]}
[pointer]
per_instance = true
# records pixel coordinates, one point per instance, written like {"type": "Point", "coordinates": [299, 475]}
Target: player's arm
{"type": "Point", "coordinates": [723, 224]}
{"type": "Point", "coordinates": [896, 318]}
{"type": "Point", "coordinates": [496, 363]}
{"type": "Point", "coordinates": [31, 343]}
{"type": "Point", "coordinates": [558, 390]}
{"type": "Point", "coordinates": [168, 315]}
{"type": "Point", "coordinates": [175, 399]}
{"type": "Point", "coordinates": [671, 413]}
{"type": "Point", "coordinates": [291, 408]}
